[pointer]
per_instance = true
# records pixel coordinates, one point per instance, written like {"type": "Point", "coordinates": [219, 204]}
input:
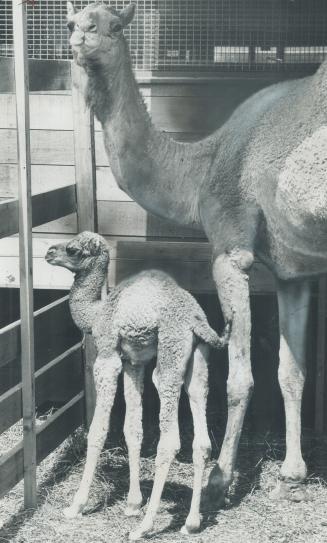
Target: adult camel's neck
{"type": "Point", "coordinates": [85, 295]}
{"type": "Point", "coordinates": [112, 92]}
{"type": "Point", "coordinates": [160, 174]}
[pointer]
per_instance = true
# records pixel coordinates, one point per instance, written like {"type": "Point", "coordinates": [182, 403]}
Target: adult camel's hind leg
{"type": "Point", "coordinates": [231, 277]}
{"type": "Point", "coordinates": [293, 302]}
{"type": "Point", "coordinates": [196, 385]}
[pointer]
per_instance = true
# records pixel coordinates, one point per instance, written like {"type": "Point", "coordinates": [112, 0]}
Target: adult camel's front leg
{"type": "Point", "coordinates": [230, 273]}
{"type": "Point", "coordinates": [106, 372]}
{"type": "Point", "coordinates": [293, 302]}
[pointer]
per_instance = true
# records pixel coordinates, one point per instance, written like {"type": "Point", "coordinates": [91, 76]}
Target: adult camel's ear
{"type": "Point", "coordinates": [70, 10]}
{"type": "Point", "coordinates": [127, 14]}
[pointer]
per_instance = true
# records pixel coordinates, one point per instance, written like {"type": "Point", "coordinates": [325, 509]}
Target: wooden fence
{"type": "Point", "coordinates": [57, 353]}
{"type": "Point", "coordinates": [58, 376]}
{"type": "Point", "coordinates": [41, 353]}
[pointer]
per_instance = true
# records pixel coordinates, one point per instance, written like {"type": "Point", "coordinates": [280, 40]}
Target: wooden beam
{"type": "Point", "coordinates": [320, 406]}
{"type": "Point", "coordinates": [188, 261]}
{"type": "Point", "coordinates": [52, 75]}
{"type": "Point", "coordinates": [85, 176]}
{"type": "Point", "coordinates": [25, 250]}
{"type": "Point", "coordinates": [46, 207]}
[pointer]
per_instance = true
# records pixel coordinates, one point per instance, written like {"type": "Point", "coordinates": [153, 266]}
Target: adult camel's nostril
{"type": "Point", "coordinates": [92, 28]}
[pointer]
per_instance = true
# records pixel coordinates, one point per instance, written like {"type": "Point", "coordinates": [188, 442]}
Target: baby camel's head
{"type": "Point", "coordinates": [97, 32]}
{"type": "Point", "coordinates": [80, 253]}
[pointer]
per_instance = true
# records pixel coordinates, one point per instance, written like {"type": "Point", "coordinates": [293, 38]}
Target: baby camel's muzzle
{"type": "Point", "coordinates": [53, 253]}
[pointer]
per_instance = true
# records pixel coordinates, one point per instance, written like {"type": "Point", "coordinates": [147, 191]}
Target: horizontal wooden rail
{"type": "Point", "coordinates": [49, 435]}
{"type": "Point", "coordinates": [47, 207]}
{"type": "Point", "coordinates": [48, 379]}
{"type": "Point", "coordinates": [55, 75]}
{"type": "Point", "coordinates": [55, 332]}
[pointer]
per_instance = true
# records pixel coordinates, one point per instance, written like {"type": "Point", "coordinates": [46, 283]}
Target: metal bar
{"type": "Point", "coordinates": [25, 250]}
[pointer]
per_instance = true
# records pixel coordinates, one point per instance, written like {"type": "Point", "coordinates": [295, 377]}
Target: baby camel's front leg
{"type": "Point", "coordinates": [106, 372]}
{"type": "Point", "coordinates": [133, 430]}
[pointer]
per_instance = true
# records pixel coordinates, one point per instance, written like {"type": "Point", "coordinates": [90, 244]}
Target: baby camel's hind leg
{"type": "Point", "coordinates": [106, 372]}
{"type": "Point", "coordinates": [196, 384]}
{"type": "Point", "coordinates": [173, 356]}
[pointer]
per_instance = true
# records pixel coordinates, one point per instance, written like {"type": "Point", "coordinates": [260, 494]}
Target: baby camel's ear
{"type": "Point", "coordinates": [127, 14]}
{"type": "Point", "coordinates": [70, 10]}
{"type": "Point", "coordinates": [94, 246]}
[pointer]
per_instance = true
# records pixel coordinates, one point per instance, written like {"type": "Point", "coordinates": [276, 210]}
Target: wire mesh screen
{"type": "Point", "coordinates": [192, 35]}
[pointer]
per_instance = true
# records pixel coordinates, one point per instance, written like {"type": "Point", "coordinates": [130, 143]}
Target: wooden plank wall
{"type": "Point", "coordinates": [186, 111]}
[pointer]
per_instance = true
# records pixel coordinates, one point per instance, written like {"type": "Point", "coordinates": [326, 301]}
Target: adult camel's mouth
{"type": "Point", "coordinates": [83, 49]}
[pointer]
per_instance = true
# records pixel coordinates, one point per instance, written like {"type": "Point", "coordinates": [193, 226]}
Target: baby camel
{"type": "Point", "coordinates": [145, 316]}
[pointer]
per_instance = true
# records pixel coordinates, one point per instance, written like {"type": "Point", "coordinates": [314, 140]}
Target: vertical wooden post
{"type": "Point", "coordinates": [85, 176]}
{"type": "Point", "coordinates": [321, 356]}
{"type": "Point", "coordinates": [25, 251]}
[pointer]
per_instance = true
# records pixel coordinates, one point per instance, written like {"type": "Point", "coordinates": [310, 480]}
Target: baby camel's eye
{"type": "Point", "coordinates": [71, 26]}
{"type": "Point", "coordinates": [71, 250]}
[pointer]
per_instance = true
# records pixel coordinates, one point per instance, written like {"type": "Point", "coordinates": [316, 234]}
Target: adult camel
{"type": "Point", "coordinates": [256, 186]}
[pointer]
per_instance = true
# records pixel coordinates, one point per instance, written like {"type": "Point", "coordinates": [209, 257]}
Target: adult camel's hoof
{"type": "Point", "coordinates": [192, 524]}
{"type": "Point", "coordinates": [290, 491]}
{"type": "Point", "coordinates": [190, 529]}
{"type": "Point", "coordinates": [214, 496]}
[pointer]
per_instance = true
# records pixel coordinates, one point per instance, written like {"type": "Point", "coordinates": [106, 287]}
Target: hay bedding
{"type": "Point", "coordinates": [250, 516]}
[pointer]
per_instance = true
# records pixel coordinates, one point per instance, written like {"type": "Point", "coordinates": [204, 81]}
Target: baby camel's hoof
{"type": "Point", "coordinates": [291, 491]}
{"type": "Point", "coordinates": [72, 512]}
{"type": "Point", "coordinates": [136, 535]}
{"type": "Point", "coordinates": [132, 509]}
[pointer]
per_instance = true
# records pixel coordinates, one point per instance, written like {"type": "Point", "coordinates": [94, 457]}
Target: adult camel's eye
{"type": "Point", "coordinates": [117, 28]}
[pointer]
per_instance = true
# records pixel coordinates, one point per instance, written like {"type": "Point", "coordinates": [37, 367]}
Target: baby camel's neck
{"type": "Point", "coordinates": [86, 295]}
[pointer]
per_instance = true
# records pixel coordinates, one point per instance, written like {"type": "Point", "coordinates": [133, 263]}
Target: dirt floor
{"type": "Point", "coordinates": [251, 515]}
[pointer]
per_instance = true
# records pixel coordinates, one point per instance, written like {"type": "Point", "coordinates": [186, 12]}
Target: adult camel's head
{"type": "Point", "coordinates": [97, 33]}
